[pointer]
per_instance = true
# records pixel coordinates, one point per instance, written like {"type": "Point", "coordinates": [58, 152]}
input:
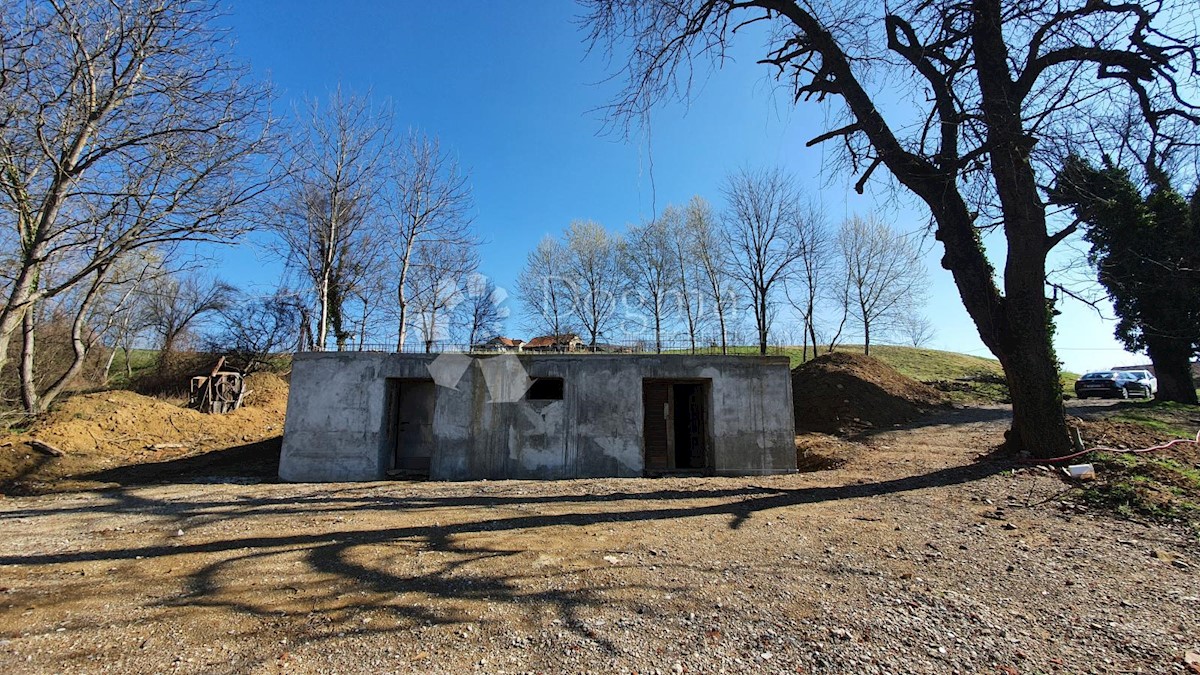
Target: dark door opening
{"type": "Point", "coordinates": [410, 430]}
{"type": "Point", "coordinates": [675, 419]}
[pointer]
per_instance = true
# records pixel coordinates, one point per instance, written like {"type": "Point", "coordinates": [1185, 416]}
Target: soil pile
{"type": "Point", "coordinates": [101, 431]}
{"type": "Point", "coordinates": [845, 393]}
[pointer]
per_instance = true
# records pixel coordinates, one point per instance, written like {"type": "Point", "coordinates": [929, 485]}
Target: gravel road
{"type": "Point", "coordinates": [913, 557]}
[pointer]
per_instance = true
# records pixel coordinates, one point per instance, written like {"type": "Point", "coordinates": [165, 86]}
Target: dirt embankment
{"type": "Point", "coordinates": [118, 436]}
{"type": "Point", "coordinates": [845, 393]}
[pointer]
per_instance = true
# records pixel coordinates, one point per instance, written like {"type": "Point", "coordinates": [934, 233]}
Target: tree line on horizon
{"type": "Point", "coordinates": [694, 277]}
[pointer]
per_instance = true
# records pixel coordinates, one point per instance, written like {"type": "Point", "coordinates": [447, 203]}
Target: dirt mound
{"type": "Point", "coordinates": [101, 431]}
{"type": "Point", "coordinates": [266, 390]}
{"type": "Point", "coordinates": [840, 393]}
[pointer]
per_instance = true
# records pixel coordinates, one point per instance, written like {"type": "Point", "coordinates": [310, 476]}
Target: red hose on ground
{"type": "Point", "coordinates": [1136, 451]}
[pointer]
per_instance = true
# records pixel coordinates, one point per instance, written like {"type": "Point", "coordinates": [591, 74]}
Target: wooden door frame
{"type": "Point", "coordinates": [672, 463]}
{"type": "Point", "coordinates": [395, 393]}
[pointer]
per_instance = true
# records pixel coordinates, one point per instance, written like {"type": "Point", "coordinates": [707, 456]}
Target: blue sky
{"type": "Point", "coordinates": [510, 87]}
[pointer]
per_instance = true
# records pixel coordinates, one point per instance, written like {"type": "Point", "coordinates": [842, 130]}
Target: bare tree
{"type": "Point", "coordinates": [649, 263]}
{"type": "Point", "coordinates": [108, 305]}
{"type": "Point", "coordinates": [689, 275]}
{"type": "Point", "coordinates": [593, 274]}
{"type": "Point", "coordinates": [372, 297]}
{"type": "Point", "coordinates": [482, 311]}
{"type": "Point", "coordinates": [252, 330]}
{"type": "Point", "coordinates": [124, 127]}
{"type": "Point", "coordinates": [544, 290]}
{"type": "Point", "coordinates": [178, 304]}
{"type": "Point", "coordinates": [839, 297]}
{"type": "Point", "coordinates": [123, 305]}
{"type": "Point", "coordinates": [325, 218]}
{"type": "Point", "coordinates": [436, 284]}
{"type": "Point", "coordinates": [706, 245]}
{"type": "Point", "coordinates": [1001, 89]}
{"type": "Point", "coordinates": [429, 202]}
{"type": "Point", "coordinates": [37, 393]}
{"type": "Point", "coordinates": [917, 329]}
{"type": "Point", "coordinates": [884, 274]}
{"type": "Point", "coordinates": [763, 208]}
{"type": "Point", "coordinates": [814, 266]}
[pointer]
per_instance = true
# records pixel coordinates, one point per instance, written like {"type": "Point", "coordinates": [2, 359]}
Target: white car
{"type": "Point", "coordinates": [1145, 378]}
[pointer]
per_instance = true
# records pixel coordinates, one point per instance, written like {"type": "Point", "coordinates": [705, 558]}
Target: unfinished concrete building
{"type": "Point", "coordinates": [367, 416]}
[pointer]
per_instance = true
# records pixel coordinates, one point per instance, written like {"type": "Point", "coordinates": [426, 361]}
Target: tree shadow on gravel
{"type": "Point", "coordinates": [738, 503]}
{"type": "Point", "coordinates": [416, 574]}
{"type": "Point", "coordinates": [944, 417]}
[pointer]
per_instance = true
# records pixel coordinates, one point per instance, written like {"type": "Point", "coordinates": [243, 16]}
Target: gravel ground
{"type": "Point", "coordinates": [913, 557]}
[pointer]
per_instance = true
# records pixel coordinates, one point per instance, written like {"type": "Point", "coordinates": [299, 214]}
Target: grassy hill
{"type": "Point", "coordinates": [962, 376]}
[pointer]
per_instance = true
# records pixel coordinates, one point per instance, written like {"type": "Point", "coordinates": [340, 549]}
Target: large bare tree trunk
{"type": "Point", "coordinates": [131, 132]}
{"type": "Point", "coordinates": [80, 349]}
{"type": "Point", "coordinates": [866, 338]}
{"type": "Point", "coordinates": [29, 395]}
{"type": "Point", "coordinates": [1173, 368]}
{"type": "Point", "coordinates": [323, 315]}
{"type": "Point", "coordinates": [39, 402]}
{"type": "Point", "coordinates": [20, 301]}
{"type": "Point", "coordinates": [761, 319]}
{"type": "Point", "coordinates": [402, 294]}
{"type": "Point", "coordinates": [1039, 423]}
{"type": "Point", "coordinates": [721, 321]}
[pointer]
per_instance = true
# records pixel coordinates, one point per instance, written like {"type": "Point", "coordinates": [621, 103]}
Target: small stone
{"type": "Point", "coordinates": [1165, 556]}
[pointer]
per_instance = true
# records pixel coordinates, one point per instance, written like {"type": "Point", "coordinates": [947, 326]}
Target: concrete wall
{"type": "Point", "coordinates": [484, 427]}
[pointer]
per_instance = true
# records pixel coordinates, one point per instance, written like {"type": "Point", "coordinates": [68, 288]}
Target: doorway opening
{"type": "Point", "coordinates": [675, 425]}
{"type": "Point", "coordinates": [410, 408]}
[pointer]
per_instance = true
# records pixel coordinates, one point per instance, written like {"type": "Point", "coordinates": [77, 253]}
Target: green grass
{"type": "Point", "coordinates": [1167, 417]}
{"type": "Point", "coordinates": [1153, 487]}
{"type": "Point", "coordinates": [141, 360]}
{"type": "Point", "coordinates": [1160, 417]}
{"type": "Point", "coordinates": [915, 362]}
{"type": "Point", "coordinates": [1162, 486]}
{"type": "Point", "coordinates": [964, 378]}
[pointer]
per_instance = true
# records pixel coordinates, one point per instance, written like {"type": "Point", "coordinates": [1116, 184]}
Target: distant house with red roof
{"type": "Point", "coordinates": [565, 342]}
{"type": "Point", "coordinates": [499, 344]}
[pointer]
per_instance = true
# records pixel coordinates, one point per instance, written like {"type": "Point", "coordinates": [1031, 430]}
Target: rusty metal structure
{"type": "Point", "coordinates": [221, 391]}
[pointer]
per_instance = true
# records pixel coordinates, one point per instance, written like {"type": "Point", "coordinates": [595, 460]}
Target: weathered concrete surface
{"type": "Point", "coordinates": [485, 426]}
